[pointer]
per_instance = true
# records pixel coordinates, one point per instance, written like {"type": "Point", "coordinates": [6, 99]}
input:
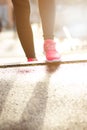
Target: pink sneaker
{"type": "Point", "coordinates": [32, 59]}
{"type": "Point", "coordinates": [50, 50]}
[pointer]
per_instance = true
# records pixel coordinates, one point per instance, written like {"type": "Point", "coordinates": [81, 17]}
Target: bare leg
{"type": "Point", "coordinates": [22, 14]}
{"type": "Point", "coordinates": [47, 13]}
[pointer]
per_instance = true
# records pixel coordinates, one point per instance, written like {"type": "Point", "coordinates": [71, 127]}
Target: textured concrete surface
{"type": "Point", "coordinates": [44, 97]}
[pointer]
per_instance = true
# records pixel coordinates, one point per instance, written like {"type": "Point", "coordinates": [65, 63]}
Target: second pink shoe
{"type": "Point", "coordinates": [50, 50]}
{"type": "Point", "coordinates": [32, 59]}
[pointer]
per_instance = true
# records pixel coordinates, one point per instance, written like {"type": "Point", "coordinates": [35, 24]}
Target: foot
{"type": "Point", "coordinates": [50, 50]}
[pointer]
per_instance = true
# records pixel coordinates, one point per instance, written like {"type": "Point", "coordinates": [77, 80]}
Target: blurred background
{"type": "Point", "coordinates": [70, 30]}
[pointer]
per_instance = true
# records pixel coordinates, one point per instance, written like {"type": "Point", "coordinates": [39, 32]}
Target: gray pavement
{"type": "Point", "coordinates": [44, 97]}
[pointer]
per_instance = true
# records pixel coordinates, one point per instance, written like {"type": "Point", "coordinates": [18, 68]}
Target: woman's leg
{"type": "Point", "coordinates": [47, 13]}
{"type": "Point", "coordinates": [22, 15]}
